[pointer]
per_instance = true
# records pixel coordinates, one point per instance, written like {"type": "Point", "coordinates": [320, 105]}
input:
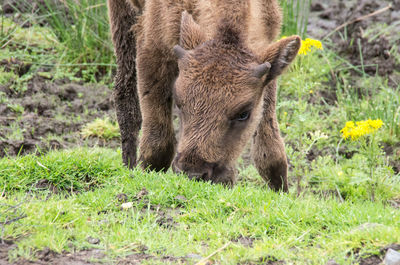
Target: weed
{"type": "Point", "coordinates": [15, 133]}
{"type": "Point", "coordinates": [17, 108]}
{"type": "Point", "coordinates": [3, 97]}
{"type": "Point", "coordinates": [101, 128]}
{"type": "Point", "coordinates": [7, 77]}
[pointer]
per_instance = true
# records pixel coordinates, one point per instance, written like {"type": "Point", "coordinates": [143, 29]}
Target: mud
{"type": "Point", "coordinates": [393, 152]}
{"type": "Point", "coordinates": [267, 260]}
{"type": "Point", "coordinates": [395, 203]}
{"type": "Point", "coordinates": [369, 50]}
{"type": "Point", "coordinates": [375, 258]}
{"type": "Point", "coordinates": [50, 114]}
{"type": "Point", "coordinates": [83, 257]}
{"type": "Point", "coordinates": [164, 215]}
{"type": "Point", "coordinates": [245, 241]}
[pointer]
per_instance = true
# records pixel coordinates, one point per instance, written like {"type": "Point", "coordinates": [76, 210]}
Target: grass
{"type": "Point", "coordinates": [209, 217]}
{"type": "Point", "coordinates": [84, 33]}
{"type": "Point", "coordinates": [75, 44]}
{"type": "Point", "coordinates": [295, 17]}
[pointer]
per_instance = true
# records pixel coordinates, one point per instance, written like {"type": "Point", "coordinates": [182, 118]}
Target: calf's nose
{"type": "Point", "coordinates": [202, 170]}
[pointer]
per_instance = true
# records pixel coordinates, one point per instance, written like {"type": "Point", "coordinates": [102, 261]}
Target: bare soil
{"type": "Point", "coordinates": [52, 116]}
{"type": "Point", "coordinates": [377, 259]}
{"type": "Point", "coordinates": [83, 257]}
{"type": "Point", "coordinates": [352, 42]}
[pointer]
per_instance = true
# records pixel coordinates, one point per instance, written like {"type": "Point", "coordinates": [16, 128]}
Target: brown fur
{"type": "Point", "coordinates": [224, 68]}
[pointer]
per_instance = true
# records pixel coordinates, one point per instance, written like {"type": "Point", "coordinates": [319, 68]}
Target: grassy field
{"type": "Point", "coordinates": [344, 197]}
{"type": "Point", "coordinates": [173, 216]}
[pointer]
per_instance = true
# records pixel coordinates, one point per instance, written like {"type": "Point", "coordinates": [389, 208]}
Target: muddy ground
{"type": "Point", "coordinates": [375, 36]}
{"type": "Point", "coordinates": [97, 256]}
{"type": "Point", "coordinates": [83, 257]}
{"type": "Point", "coordinates": [52, 116]}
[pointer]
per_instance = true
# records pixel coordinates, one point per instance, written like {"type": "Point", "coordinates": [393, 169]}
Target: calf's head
{"type": "Point", "coordinates": [219, 93]}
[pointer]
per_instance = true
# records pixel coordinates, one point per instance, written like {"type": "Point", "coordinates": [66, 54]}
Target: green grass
{"type": "Point", "coordinates": [210, 217]}
{"type": "Point", "coordinates": [75, 44]}
{"type": "Point", "coordinates": [84, 34]}
{"type": "Point", "coordinates": [295, 17]}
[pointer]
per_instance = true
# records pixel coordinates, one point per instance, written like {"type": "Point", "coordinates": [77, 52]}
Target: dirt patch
{"type": "Point", "coordinates": [267, 260]}
{"type": "Point", "coordinates": [166, 220]}
{"type": "Point", "coordinates": [371, 260]}
{"type": "Point", "coordinates": [136, 259]}
{"type": "Point", "coordinates": [369, 50]}
{"type": "Point", "coordinates": [47, 256]}
{"type": "Point", "coordinates": [395, 203]}
{"type": "Point", "coordinates": [5, 247]}
{"type": "Point", "coordinates": [15, 65]}
{"type": "Point", "coordinates": [375, 258]}
{"type": "Point", "coordinates": [245, 241]}
{"type": "Point", "coordinates": [164, 215]}
{"type": "Point", "coordinates": [395, 164]}
{"type": "Point", "coordinates": [393, 152]}
{"type": "Point", "coordinates": [17, 6]}
{"type": "Point", "coordinates": [45, 184]}
{"type": "Point", "coordinates": [83, 257]}
{"type": "Point", "coordinates": [50, 114]}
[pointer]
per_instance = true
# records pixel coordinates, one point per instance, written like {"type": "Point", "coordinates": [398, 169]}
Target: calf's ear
{"type": "Point", "coordinates": [191, 34]}
{"type": "Point", "coordinates": [279, 55]}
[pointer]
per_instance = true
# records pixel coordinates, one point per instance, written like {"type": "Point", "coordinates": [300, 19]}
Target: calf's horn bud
{"type": "Point", "coordinates": [260, 70]}
{"type": "Point", "coordinates": [179, 51]}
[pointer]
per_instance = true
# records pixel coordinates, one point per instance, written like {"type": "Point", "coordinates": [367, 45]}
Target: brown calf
{"type": "Point", "coordinates": [216, 59]}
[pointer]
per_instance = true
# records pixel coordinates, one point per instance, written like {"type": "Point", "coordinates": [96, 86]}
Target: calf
{"type": "Point", "coordinates": [217, 60]}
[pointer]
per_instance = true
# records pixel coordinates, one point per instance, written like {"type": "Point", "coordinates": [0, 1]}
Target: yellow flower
{"type": "Point", "coordinates": [376, 124]}
{"type": "Point", "coordinates": [360, 128]}
{"type": "Point", "coordinates": [307, 44]}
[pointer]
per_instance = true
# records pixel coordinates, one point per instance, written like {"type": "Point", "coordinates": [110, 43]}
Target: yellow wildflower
{"type": "Point", "coordinates": [360, 128]}
{"type": "Point", "coordinates": [307, 44]}
{"type": "Point", "coordinates": [376, 124]}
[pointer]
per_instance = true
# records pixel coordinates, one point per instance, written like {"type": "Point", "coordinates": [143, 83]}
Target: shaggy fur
{"type": "Point", "coordinates": [221, 76]}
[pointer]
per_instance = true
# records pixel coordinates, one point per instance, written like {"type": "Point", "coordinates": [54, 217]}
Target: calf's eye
{"type": "Point", "coordinates": [243, 116]}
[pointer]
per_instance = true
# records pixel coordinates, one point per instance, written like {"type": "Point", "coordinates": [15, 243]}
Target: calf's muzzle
{"type": "Point", "coordinates": [198, 169]}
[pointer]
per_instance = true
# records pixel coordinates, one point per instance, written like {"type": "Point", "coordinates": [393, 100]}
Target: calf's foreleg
{"type": "Point", "coordinates": [268, 150]}
{"type": "Point", "coordinates": [156, 74]}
